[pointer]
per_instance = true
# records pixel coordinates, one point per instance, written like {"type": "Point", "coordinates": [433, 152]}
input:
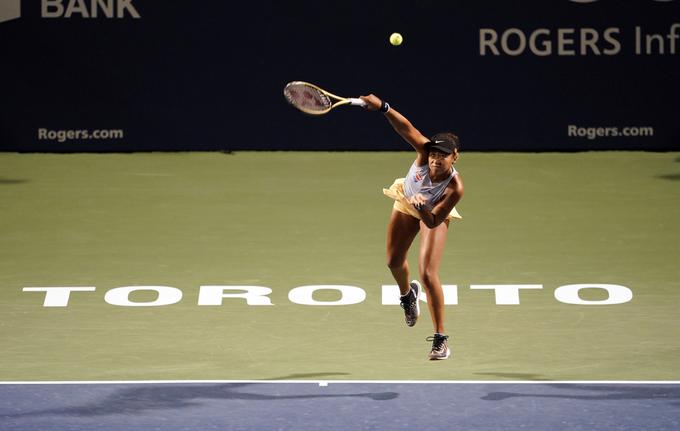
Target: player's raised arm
{"type": "Point", "coordinates": [400, 123]}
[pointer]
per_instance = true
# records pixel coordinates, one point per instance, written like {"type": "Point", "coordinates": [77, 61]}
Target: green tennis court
{"type": "Point", "coordinates": [282, 220]}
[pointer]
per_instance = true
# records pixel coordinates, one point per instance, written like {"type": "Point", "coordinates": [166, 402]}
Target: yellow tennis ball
{"type": "Point", "coordinates": [396, 39]}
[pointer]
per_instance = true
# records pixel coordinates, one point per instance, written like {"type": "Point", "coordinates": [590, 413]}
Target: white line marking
{"type": "Point", "coordinates": [326, 382]}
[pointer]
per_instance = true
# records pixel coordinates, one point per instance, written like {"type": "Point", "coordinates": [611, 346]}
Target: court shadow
{"type": "Point", "coordinates": [11, 181]}
{"type": "Point", "coordinates": [597, 392]}
{"type": "Point", "coordinates": [516, 376]}
{"type": "Point", "coordinates": [158, 397]}
{"type": "Point", "coordinates": [307, 376]}
{"type": "Point", "coordinates": [673, 177]}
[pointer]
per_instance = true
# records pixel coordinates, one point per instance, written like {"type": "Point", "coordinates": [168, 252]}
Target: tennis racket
{"type": "Point", "coordinates": [314, 100]}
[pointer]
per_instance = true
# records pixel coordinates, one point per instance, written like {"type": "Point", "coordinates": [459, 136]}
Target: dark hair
{"type": "Point", "coordinates": [448, 137]}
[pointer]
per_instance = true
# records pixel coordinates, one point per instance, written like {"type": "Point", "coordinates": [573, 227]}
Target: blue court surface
{"type": "Point", "coordinates": [310, 405]}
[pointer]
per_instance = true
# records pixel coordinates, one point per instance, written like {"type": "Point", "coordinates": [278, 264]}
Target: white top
{"type": "Point", "coordinates": [418, 181]}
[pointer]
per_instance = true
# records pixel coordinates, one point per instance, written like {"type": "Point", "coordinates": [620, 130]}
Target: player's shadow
{"type": "Point", "coordinates": [516, 376]}
{"type": "Point", "coordinates": [674, 177]}
{"type": "Point", "coordinates": [307, 376]}
{"type": "Point", "coordinates": [586, 392]}
{"type": "Point", "coordinates": [9, 181]}
{"type": "Point", "coordinates": [163, 396]}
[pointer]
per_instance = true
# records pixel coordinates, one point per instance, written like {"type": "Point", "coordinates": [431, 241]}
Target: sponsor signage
{"type": "Point", "coordinates": [127, 75]}
{"type": "Point", "coordinates": [11, 9]}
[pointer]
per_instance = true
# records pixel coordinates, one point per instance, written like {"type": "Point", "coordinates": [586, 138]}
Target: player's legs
{"type": "Point", "coordinates": [401, 231]}
{"type": "Point", "coordinates": [432, 243]}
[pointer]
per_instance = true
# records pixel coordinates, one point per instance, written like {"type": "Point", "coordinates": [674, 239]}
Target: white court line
{"type": "Point", "coordinates": [329, 382]}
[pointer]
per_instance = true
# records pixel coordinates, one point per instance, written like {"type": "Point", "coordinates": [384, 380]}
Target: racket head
{"type": "Point", "coordinates": [307, 97]}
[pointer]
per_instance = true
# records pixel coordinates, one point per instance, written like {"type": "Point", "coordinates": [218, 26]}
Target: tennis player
{"type": "Point", "coordinates": [424, 202]}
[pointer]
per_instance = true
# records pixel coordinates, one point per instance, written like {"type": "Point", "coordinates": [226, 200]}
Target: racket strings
{"type": "Point", "coordinates": [306, 98]}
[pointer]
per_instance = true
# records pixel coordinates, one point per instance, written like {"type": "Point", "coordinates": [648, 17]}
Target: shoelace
{"type": "Point", "coordinates": [437, 342]}
{"type": "Point", "coordinates": [407, 302]}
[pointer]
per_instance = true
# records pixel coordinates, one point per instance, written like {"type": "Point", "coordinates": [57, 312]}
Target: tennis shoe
{"type": "Point", "coordinates": [440, 347]}
{"type": "Point", "coordinates": [411, 303]}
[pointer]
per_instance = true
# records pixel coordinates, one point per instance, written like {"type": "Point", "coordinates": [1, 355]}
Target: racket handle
{"type": "Point", "coordinates": [357, 102]}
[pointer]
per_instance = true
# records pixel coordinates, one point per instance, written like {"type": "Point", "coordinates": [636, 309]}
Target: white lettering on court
{"type": "Point", "coordinates": [254, 295]}
{"type": "Point", "coordinates": [616, 294]}
{"type": "Point", "coordinates": [58, 296]}
{"type": "Point", "coordinates": [349, 295]}
{"type": "Point", "coordinates": [506, 294]}
{"type": "Point", "coordinates": [121, 296]}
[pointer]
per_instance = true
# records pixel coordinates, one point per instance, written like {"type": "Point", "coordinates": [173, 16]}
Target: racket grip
{"type": "Point", "coordinates": [357, 102]}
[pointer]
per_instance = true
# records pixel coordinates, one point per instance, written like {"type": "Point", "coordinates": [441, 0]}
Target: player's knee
{"type": "Point", "coordinates": [429, 276]}
{"type": "Point", "coordinates": [395, 262]}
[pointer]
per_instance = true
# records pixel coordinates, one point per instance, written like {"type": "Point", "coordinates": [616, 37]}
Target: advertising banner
{"type": "Point", "coordinates": [142, 75]}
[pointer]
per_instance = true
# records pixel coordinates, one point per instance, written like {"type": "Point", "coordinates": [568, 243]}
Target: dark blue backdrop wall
{"type": "Point", "coordinates": [533, 75]}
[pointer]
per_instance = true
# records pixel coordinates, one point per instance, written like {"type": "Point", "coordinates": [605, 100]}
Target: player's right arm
{"type": "Point", "coordinates": [402, 126]}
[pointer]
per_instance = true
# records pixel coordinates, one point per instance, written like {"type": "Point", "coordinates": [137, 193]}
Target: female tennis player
{"type": "Point", "coordinates": [424, 202]}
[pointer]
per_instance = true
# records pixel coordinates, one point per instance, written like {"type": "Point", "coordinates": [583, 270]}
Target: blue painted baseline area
{"type": "Point", "coordinates": [283, 405]}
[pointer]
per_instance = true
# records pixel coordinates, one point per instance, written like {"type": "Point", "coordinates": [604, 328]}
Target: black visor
{"type": "Point", "coordinates": [445, 147]}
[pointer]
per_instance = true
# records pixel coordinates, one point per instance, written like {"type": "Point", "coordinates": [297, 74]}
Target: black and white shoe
{"type": "Point", "coordinates": [440, 347]}
{"type": "Point", "coordinates": [411, 303]}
